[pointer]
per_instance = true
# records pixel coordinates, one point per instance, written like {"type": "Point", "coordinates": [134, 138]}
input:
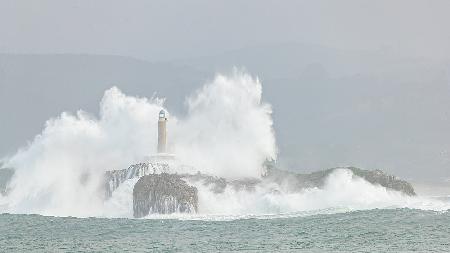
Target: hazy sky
{"type": "Point", "coordinates": [158, 30]}
{"type": "Point", "coordinates": [376, 71]}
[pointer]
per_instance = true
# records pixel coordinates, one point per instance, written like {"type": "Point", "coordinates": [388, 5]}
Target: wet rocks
{"type": "Point", "coordinates": [295, 181]}
{"type": "Point", "coordinates": [383, 179]}
{"type": "Point", "coordinates": [157, 191]}
{"type": "Point", "coordinates": [163, 194]}
{"type": "Point", "coordinates": [114, 178]}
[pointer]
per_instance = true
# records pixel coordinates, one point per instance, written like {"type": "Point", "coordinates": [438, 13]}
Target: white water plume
{"type": "Point", "coordinates": [227, 132]}
{"type": "Point", "coordinates": [60, 172]}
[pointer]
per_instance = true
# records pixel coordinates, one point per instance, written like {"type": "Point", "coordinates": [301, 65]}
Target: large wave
{"type": "Point", "coordinates": [227, 132]}
{"type": "Point", "coordinates": [342, 192]}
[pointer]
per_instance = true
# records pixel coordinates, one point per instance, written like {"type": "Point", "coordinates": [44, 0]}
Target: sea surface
{"type": "Point", "coordinates": [378, 230]}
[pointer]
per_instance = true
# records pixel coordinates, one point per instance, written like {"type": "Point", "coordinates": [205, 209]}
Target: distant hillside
{"type": "Point", "coordinates": [330, 107]}
{"type": "Point", "coordinates": [34, 88]}
{"type": "Point", "coordinates": [295, 60]}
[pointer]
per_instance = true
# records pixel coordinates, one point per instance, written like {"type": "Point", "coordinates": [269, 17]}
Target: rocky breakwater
{"type": "Point", "coordinates": [163, 194]}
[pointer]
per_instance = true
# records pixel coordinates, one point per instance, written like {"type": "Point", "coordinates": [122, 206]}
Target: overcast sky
{"type": "Point", "coordinates": [159, 30]}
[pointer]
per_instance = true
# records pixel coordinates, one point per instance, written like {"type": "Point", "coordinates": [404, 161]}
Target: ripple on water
{"type": "Point", "coordinates": [359, 231]}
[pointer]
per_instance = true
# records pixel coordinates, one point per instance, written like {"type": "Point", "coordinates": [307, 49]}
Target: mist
{"type": "Point", "coordinates": [356, 83]}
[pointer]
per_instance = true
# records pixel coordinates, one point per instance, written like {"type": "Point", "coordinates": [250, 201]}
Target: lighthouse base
{"type": "Point", "coordinates": [160, 157]}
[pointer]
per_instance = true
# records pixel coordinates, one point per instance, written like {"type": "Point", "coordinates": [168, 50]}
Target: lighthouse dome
{"type": "Point", "coordinates": [162, 114]}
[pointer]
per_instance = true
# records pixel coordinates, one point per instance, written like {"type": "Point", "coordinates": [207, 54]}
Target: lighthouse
{"type": "Point", "coordinates": [162, 132]}
{"type": "Point", "coordinates": [162, 155]}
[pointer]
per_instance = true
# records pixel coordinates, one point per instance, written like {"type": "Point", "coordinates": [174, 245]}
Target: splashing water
{"type": "Point", "coordinates": [227, 132]}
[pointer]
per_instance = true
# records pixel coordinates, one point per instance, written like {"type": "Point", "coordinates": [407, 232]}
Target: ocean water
{"type": "Point", "coordinates": [378, 230]}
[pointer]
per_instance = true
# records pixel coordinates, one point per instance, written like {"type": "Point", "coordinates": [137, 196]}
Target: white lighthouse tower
{"type": "Point", "coordinates": [162, 155]}
{"type": "Point", "coordinates": [162, 132]}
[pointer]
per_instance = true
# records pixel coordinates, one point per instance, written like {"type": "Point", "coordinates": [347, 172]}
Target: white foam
{"type": "Point", "coordinates": [227, 132]}
{"type": "Point", "coordinates": [342, 192]}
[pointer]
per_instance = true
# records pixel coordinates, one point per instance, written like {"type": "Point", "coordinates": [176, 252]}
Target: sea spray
{"type": "Point", "coordinates": [227, 132]}
{"type": "Point", "coordinates": [342, 192]}
{"type": "Point", "coordinates": [60, 172]}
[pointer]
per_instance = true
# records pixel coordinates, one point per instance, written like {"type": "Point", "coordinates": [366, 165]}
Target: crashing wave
{"type": "Point", "coordinates": [114, 178]}
{"type": "Point", "coordinates": [161, 190]}
{"type": "Point", "coordinates": [227, 133]}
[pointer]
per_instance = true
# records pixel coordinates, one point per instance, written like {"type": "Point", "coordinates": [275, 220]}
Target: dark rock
{"type": "Point", "coordinates": [175, 189]}
{"type": "Point", "coordinates": [114, 178]}
{"type": "Point", "coordinates": [383, 179]}
{"type": "Point", "coordinates": [164, 194]}
{"type": "Point", "coordinates": [295, 181]}
{"type": "Point", "coordinates": [218, 184]}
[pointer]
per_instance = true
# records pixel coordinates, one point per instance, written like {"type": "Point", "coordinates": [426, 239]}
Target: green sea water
{"type": "Point", "coordinates": [379, 230]}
